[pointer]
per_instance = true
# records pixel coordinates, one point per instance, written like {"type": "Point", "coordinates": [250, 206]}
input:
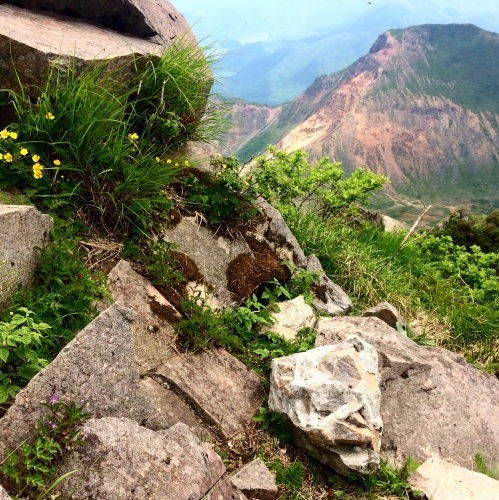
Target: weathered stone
{"type": "Point", "coordinates": [255, 481]}
{"type": "Point", "coordinates": [387, 313]}
{"type": "Point", "coordinates": [140, 18]}
{"type": "Point", "coordinates": [124, 460]}
{"type": "Point", "coordinates": [331, 396]}
{"type": "Point", "coordinates": [153, 334]}
{"type": "Point", "coordinates": [294, 315]}
{"type": "Point", "coordinates": [224, 391]}
{"type": "Point", "coordinates": [275, 230]}
{"type": "Point", "coordinates": [440, 479]}
{"type": "Point", "coordinates": [170, 409]}
{"type": "Point", "coordinates": [329, 297]}
{"type": "Point", "coordinates": [225, 490]}
{"type": "Point", "coordinates": [30, 54]}
{"type": "Point", "coordinates": [232, 267]}
{"type": "Point", "coordinates": [21, 229]}
{"type": "Point", "coordinates": [433, 402]}
{"type": "Point", "coordinates": [3, 494]}
{"type": "Point", "coordinates": [95, 370]}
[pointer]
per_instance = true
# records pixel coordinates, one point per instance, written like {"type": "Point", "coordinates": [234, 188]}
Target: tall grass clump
{"type": "Point", "coordinates": [100, 139]}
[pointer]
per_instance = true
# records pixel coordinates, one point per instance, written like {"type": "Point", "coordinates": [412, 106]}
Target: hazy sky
{"type": "Point", "coordinates": [272, 20]}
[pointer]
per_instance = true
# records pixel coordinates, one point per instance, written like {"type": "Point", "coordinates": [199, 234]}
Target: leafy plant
{"type": "Point", "coordinates": [482, 467]}
{"type": "Point", "coordinates": [419, 339]}
{"type": "Point", "coordinates": [32, 468]}
{"type": "Point", "coordinates": [225, 196]}
{"type": "Point", "coordinates": [290, 182]}
{"type": "Point", "coordinates": [66, 294]}
{"type": "Point", "coordinates": [19, 360]}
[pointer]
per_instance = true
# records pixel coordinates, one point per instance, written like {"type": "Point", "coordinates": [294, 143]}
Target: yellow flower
{"type": "Point", "coordinates": [57, 162]}
{"type": "Point", "coordinates": [219, 173]}
{"type": "Point", "coordinates": [219, 155]}
{"type": "Point", "coordinates": [35, 158]}
{"type": "Point", "coordinates": [13, 135]}
{"type": "Point", "coordinates": [4, 133]}
{"type": "Point", "coordinates": [1, 156]}
{"type": "Point", "coordinates": [49, 116]}
{"type": "Point", "coordinates": [158, 159]}
{"type": "Point", "coordinates": [224, 165]}
{"type": "Point", "coordinates": [23, 152]}
{"type": "Point", "coordinates": [168, 161]}
{"type": "Point", "coordinates": [37, 171]}
{"type": "Point", "coordinates": [176, 164]}
{"type": "Point", "coordinates": [246, 183]}
{"type": "Point", "coordinates": [7, 157]}
{"type": "Point", "coordinates": [186, 163]}
{"type": "Point", "coordinates": [133, 136]}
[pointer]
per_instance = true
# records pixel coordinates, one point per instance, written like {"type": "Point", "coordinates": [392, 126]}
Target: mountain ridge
{"type": "Point", "coordinates": [420, 107]}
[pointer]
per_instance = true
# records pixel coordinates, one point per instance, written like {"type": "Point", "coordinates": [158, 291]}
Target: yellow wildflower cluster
{"type": "Point", "coordinates": [37, 170]}
{"type": "Point", "coordinates": [5, 134]}
{"type": "Point", "coordinates": [133, 136]}
{"type": "Point", "coordinates": [49, 116]}
{"type": "Point", "coordinates": [168, 161]}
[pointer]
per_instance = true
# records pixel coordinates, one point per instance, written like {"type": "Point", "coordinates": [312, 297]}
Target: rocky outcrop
{"type": "Point", "coordinates": [386, 313]}
{"type": "Point", "coordinates": [440, 479]}
{"type": "Point", "coordinates": [81, 33]}
{"type": "Point", "coordinates": [121, 459]}
{"type": "Point", "coordinates": [331, 397]}
{"type": "Point", "coordinates": [433, 402]}
{"type": "Point", "coordinates": [22, 229]}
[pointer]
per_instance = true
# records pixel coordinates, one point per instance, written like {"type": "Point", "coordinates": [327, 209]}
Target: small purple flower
{"type": "Point", "coordinates": [53, 398]}
{"type": "Point", "coordinates": [52, 424]}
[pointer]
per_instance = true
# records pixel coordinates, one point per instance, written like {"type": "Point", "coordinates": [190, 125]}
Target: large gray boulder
{"type": "Point", "coordinates": [331, 397]}
{"type": "Point", "coordinates": [22, 228]}
{"type": "Point", "coordinates": [95, 370]}
{"type": "Point", "coordinates": [433, 402]}
{"type": "Point", "coordinates": [232, 267]}
{"type": "Point", "coordinates": [124, 460]}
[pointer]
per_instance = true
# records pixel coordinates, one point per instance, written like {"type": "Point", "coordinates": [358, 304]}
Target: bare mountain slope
{"type": "Point", "coordinates": [421, 107]}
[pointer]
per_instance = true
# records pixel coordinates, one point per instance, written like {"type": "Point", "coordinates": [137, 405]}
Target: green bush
{"type": "Point", "coordinates": [97, 140]}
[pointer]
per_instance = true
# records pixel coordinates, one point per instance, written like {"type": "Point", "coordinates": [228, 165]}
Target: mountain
{"type": "Point", "coordinates": [422, 107]}
{"type": "Point", "coordinates": [278, 71]}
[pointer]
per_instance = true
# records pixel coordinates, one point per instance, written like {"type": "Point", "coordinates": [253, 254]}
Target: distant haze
{"type": "Point", "coordinates": [276, 20]}
{"type": "Point", "coordinates": [272, 51]}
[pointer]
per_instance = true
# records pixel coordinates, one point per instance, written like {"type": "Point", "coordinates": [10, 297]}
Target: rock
{"type": "Point", "coordinates": [153, 333]}
{"type": "Point", "coordinates": [331, 396]}
{"type": "Point", "coordinates": [255, 481]}
{"type": "Point", "coordinates": [124, 460]}
{"type": "Point", "coordinates": [387, 313]}
{"type": "Point", "coordinates": [224, 392]}
{"type": "Point", "coordinates": [139, 18]}
{"type": "Point", "coordinates": [440, 479]}
{"type": "Point", "coordinates": [3, 494]}
{"type": "Point", "coordinates": [232, 267]}
{"type": "Point", "coordinates": [95, 370]}
{"type": "Point", "coordinates": [433, 402]}
{"type": "Point", "coordinates": [31, 54]}
{"type": "Point", "coordinates": [330, 298]}
{"type": "Point", "coordinates": [283, 241]}
{"type": "Point", "coordinates": [225, 490]}
{"type": "Point", "coordinates": [390, 224]}
{"type": "Point", "coordinates": [294, 315]}
{"type": "Point", "coordinates": [21, 229]}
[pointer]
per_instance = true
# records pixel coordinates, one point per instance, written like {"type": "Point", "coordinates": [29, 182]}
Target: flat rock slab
{"type": "Point", "coordinates": [224, 391]}
{"type": "Point", "coordinates": [331, 396]}
{"type": "Point", "coordinates": [440, 479]}
{"type": "Point", "coordinates": [433, 402]}
{"type": "Point", "coordinates": [124, 460]}
{"type": "Point", "coordinates": [255, 481]}
{"type": "Point", "coordinates": [3, 494]}
{"type": "Point", "coordinates": [140, 18]}
{"type": "Point", "coordinates": [95, 370]}
{"type": "Point", "coordinates": [31, 43]}
{"type": "Point", "coordinates": [21, 229]}
{"type": "Point", "coordinates": [153, 333]}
